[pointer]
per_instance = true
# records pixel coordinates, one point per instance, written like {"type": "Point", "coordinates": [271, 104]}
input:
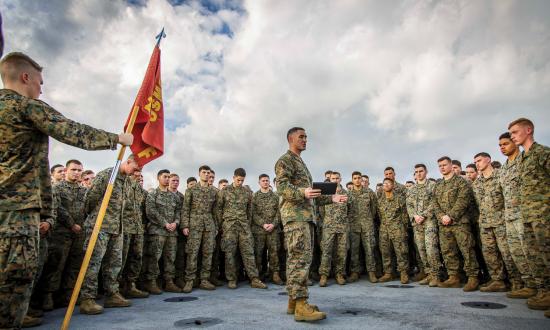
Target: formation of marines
{"type": "Point", "coordinates": [487, 226]}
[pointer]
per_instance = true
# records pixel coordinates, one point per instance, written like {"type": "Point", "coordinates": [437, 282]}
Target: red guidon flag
{"type": "Point", "coordinates": [149, 126]}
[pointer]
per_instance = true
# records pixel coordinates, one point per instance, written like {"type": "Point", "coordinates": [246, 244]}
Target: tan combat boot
{"type": "Point", "coordinates": [214, 280]}
{"type": "Point", "coordinates": [340, 279]}
{"type": "Point", "coordinates": [257, 284]}
{"type": "Point", "coordinates": [386, 278]}
{"type": "Point", "coordinates": [291, 308]}
{"type": "Point", "coordinates": [354, 277]}
{"type": "Point", "coordinates": [35, 312]}
{"type": "Point", "coordinates": [232, 284]}
{"type": "Point", "coordinates": [305, 312]}
{"type": "Point", "coordinates": [524, 293]}
{"type": "Point", "coordinates": [277, 279]}
{"type": "Point", "coordinates": [494, 286]}
{"type": "Point", "coordinates": [29, 321]}
{"type": "Point", "coordinates": [47, 302]}
{"type": "Point", "coordinates": [471, 285]}
{"type": "Point", "coordinates": [133, 292]}
{"type": "Point", "coordinates": [452, 282]}
{"type": "Point", "coordinates": [171, 287]}
{"type": "Point", "coordinates": [541, 301]}
{"type": "Point", "coordinates": [116, 300]}
{"type": "Point", "coordinates": [180, 282]}
{"type": "Point", "coordinates": [372, 277]}
{"type": "Point", "coordinates": [516, 284]}
{"type": "Point", "coordinates": [547, 313]}
{"type": "Point", "coordinates": [404, 278]}
{"type": "Point", "coordinates": [419, 277]}
{"type": "Point", "coordinates": [89, 307]}
{"type": "Point", "coordinates": [434, 281]}
{"type": "Point", "coordinates": [426, 280]}
{"type": "Point", "coordinates": [323, 281]}
{"type": "Point", "coordinates": [188, 287]}
{"type": "Point", "coordinates": [206, 285]}
{"type": "Point", "coordinates": [152, 287]}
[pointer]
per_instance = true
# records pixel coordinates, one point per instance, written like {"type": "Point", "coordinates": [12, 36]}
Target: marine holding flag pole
{"type": "Point", "coordinates": [147, 117]}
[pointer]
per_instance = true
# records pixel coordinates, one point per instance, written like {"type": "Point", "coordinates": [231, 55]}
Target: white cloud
{"type": "Point", "coordinates": [375, 83]}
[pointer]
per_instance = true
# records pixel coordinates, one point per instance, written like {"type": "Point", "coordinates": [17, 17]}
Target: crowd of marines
{"type": "Point", "coordinates": [488, 227]}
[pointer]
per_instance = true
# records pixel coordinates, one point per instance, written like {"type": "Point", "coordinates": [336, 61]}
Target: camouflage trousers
{"type": "Point", "coordinates": [368, 240]}
{"type": "Point", "coordinates": [537, 243]}
{"type": "Point", "coordinates": [426, 238]}
{"type": "Point", "coordinates": [496, 253]}
{"type": "Point", "coordinates": [160, 247]}
{"type": "Point", "coordinates": [299, 248]}
{"type": "Point", "coordinates": [333, 243]}
{"type": "Point", "coordinates": [216, 256]}
{"type": "Point", "coordinates": [263, 240]}
{"type": "Point", "coordinates": [180, 256]}
{"type": "Point", "coordinates": [132, 257]}
{"type": "Point", "coordinates": [18, 268]}
{"type": "Point", "coordinates": [107, 256]}
{"type": "Point", "coordinates": [396, 238]}
{"type": "Point", "coordinates": [37, 282]}
{"type": "Point", "coordinates": [515, 238]}
{"type": "Point", "coordinates": [203, 241]}
{"type": "Point", "coordinates": [237, 239]}
{"type": "Point", "coordinates": [65, 255]}
{"type": "Point", "coordinates": [453, 239]}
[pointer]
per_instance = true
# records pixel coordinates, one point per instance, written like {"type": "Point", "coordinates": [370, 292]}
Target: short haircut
{"type": "Point", "coordinates": [444, 158]}
{"type": "Point", "coordinates": [389, 168]}
{"type": "Point", "coordinates": [482, 154]}
{"type": "Point", "coordinates": [14, 63]}
{"type": "Point", "coordinates": [496, 164]}
{"type": "Point", "coordinates": [388, 179]}
{"type": "Point", "coordinates": [239, 172]}
{"type": "Point", "coordinates": [54, 167]}
{"type": "Point", "coordinates": [505, 135]}
{"type": "Point", "coordinates": [421, 165]}
{"type": "Point", "coordinates": [432, 179]}
{"type": "Point", "coordinates": [204, 168]}
{"type": "Point", "coordinates": [212, 171]}
{"type": "Point", "coordinates": [349, 183]}
{"type": "Point", "coordinates": [522, 122]}
{"type": "Point", "coordinates": [191, 179]}
{"type": "Point", "coordinates": [462, 172]}
{"type": "Point", "coordinates": [456, 162]}
{"type": "Point", "coordinates": [263, 175]}
{"type": "Point", "coordinates": [410, 182]}
{"type": "Point", "coordinates": [336, 173]}
{"type": "Point", "coordinates": [293, 130]}
{"type": "Point", "coordinates": [73, 161]}
{"type": "Point", "coordinates": [355, 173]}
{"type": "Point", "coordinates": [161, 172]}
{"type": "Point", "coordinates": [174, 175]}
{"type": "Point", "coordinates": [365, 176]}
{"type": "Point", "coordinates": [86, 172]}
{"type": "Point", "coordinates": [223, 181]}
{"type": "Point", "coordinates": [472, 166]}
{"type": "Point", "coordinates": [378, 184]}
{"type": "Point", "coordinates": [328, 172]}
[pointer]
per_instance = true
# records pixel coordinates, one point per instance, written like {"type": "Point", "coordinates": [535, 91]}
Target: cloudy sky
{"type": "Point", "coordinates": [375, 83]}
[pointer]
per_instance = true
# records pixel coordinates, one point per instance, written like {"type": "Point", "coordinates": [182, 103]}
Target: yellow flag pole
{"type": "Point", "coordinates": [97, 226]}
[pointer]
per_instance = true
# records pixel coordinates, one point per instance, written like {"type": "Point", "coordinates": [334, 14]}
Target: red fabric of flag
{"type": "Point", "coordinates": [149, 126]}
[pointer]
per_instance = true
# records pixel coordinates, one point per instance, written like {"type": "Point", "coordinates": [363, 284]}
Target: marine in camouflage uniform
{"type": "Point", "coordinates": [452, 197]}
{"type": "Point", "coordinates": [198, 215]}
{"type": "Point", "coordinates": [335, 239]}
{"type": "Point", "coordinates": [362, 229]}
{"type": "Point", "coordinates": [265, 210]}
{"type": "Point", "coordinates": [66, 248]}
{"type": "Point", "coordinates": [297, 214]}
{"type": "Point", "coordinates": [393, 233]}
{"type": "Point", "coordinates": [25, 190]}
{"type": "Point", "coordinates": [490, 201]}
{"type": "Point", "coordinates": [235, 211]}
{"type": "Point", "coordinates": [535, 212]}
{"type": "Point", "coordinates": [132, 246]}
{"type": "Point", "coordinates": [510, 182]}
{"type": "Point", "coordinates": [162, 208]}
{"type": "Point", "coordinates": [107, 254]}
{"type": "Point", "coordinates": [426, 237]}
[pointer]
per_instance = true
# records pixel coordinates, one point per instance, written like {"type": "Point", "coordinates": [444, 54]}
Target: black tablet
{"type": "Point", "coordinates": [327, 188]}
